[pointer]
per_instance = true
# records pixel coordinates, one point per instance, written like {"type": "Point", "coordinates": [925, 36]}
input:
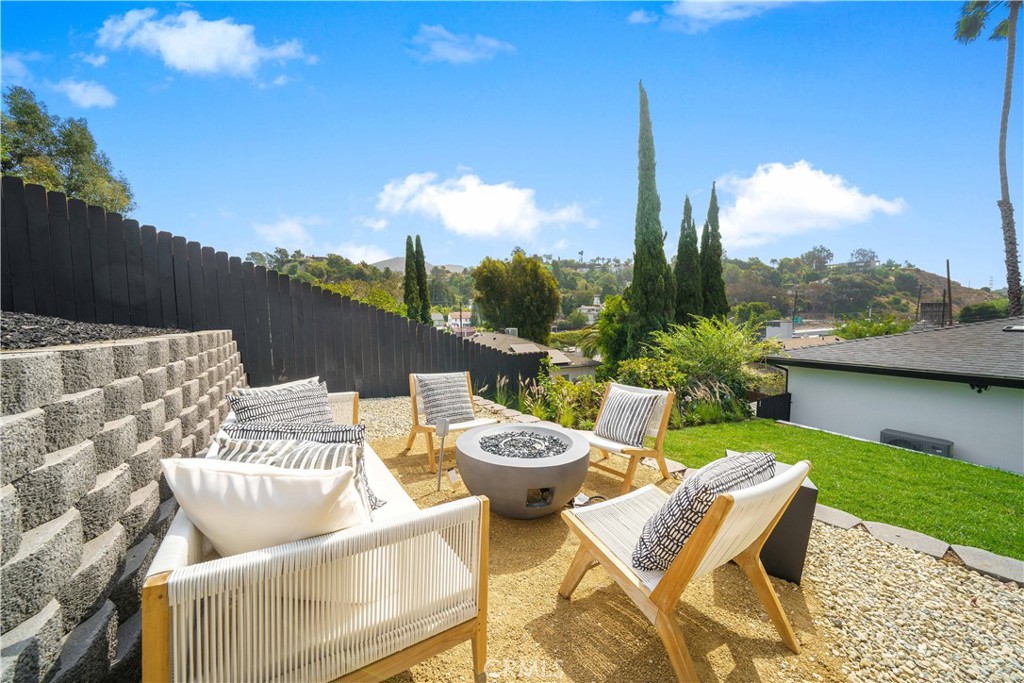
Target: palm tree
{"type": "Point", "coordinates": [973, 16]}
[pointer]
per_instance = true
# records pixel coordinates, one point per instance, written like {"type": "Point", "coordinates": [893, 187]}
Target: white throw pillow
{"type": "Point", "coordinates": [241, 507]}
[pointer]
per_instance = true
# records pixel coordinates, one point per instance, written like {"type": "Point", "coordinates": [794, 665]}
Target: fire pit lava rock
{"type": "Point", "coordinates": [527, 471]}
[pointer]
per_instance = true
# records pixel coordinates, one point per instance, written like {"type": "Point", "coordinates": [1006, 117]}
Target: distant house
{"type": "Point", "coordinates": [459, 319]}
{"type": "Point", "coordinates": [592, 311]}
{"type": "Point", "coordinates": [569, 365]}
{"type": "Point", "coordinates": [963, 384]}
{"type": "Point", "coordinates": [437, 319]}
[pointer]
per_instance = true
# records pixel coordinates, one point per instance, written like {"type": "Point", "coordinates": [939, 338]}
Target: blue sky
{"type": "Point", "coordinates": [345, 126]}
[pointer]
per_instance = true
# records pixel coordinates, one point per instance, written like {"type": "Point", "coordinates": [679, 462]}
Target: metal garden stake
{"type": "Point", "coordinates": [441, 429]}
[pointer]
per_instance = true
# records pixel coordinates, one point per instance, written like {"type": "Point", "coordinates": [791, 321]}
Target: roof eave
{"type": "Point", "coordinates": [962, 378]}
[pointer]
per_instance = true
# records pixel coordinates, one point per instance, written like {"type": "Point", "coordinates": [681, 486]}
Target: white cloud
{"type": "Point", "coordinates": [293, 232]}
{"type": "Point", "coordinates": [437, 44]}
{"type": "Point", "coordinates": [86, 94]}
{"type": "Point", "coordinates": [642, 16]}
{"type": "Point", "coordinates": [470, 207]}
{"type": "Point", "coordinates": [186, 42]}
{"type": "Point", "coordinates": [92, 60]}
{"type": "Point", "coordinates": [374, 224]}
{"type": "Point", "coordinates": [14, 66]}
{"type": "Point", "coordinates": [779, 201]}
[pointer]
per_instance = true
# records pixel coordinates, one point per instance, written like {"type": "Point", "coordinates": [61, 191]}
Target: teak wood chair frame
{"type": "Point", "coordinates": [428, 430]}
{"type": "Point", "coordinates": [658, 605]}
{"type": "Point", "coordinates": [636, 454]}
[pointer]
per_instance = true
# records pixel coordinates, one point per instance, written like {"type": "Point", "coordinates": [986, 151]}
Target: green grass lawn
{"type": "Point", "coordinates": [951, 500]}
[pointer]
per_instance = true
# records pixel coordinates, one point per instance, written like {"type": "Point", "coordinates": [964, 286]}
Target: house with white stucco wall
{"type": "Point", "coordinates": [963, 384]}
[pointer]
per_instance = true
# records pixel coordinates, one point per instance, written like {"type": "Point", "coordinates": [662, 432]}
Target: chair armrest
{"type": "Point", "coordinates": [182, 546]}
{"type": "Point", "coordinates": [344, 406]}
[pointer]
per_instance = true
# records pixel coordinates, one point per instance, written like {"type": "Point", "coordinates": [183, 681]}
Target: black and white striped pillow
{"type": "Point", "coordinates": [669, 528]}
{"type": "Point", "coordinates": [304, 404]}
{"type": "Point", "coordinates": [304, 455]}
{"type": "Point", "coordinates": [625, 416]}
{"type": "Point", "coordinates": [296, 431]}
{"type": "Point", "coordinates": [445, 395]}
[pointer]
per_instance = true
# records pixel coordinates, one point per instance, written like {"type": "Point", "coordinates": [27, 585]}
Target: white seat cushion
{"type": "Point", "coordinates": [603, 443]}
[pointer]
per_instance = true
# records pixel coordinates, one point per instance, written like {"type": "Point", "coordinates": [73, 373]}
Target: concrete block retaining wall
{"type": "Point", "coordinates": [83, 505]}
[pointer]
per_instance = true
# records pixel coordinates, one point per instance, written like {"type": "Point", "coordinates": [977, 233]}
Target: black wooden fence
{"type": "Point", "coordinates": [63, 258]}
{"type": "Point", "coordinates": [775, 407]}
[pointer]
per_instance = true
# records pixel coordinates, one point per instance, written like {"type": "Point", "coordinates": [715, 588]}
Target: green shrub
{"type": "Point", "coordinates": [988, 310]}
{"type": "Point", "coordinates": [858, 329]}
{"type": "Point", "coordinates": [651, 373]}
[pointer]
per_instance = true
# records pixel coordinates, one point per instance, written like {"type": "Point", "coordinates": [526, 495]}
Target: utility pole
{"type": "Point", "coordinates": [949, 290]}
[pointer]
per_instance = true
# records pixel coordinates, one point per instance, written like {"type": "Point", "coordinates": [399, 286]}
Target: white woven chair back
{"type": "Point", "coordinates": [753, 510]}
{"type": "Point", "coordinates": [342, 405]}
{"type": "Point", "coordinates": [654, 424]}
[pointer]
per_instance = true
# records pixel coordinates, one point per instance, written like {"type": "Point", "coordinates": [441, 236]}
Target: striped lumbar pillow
{"type": "Point", "coordinates": [303, 404]}
{"type": "Point", "coordinates": [306, 455]}
{"type": "Point", "coordinates": [667, 531]}
{"type": "Point", "coordinates": [445, 395]}
{"type": "Point", "coordinates": [296, 431]}
{"type": "Point", "coordinates": [625, 416]}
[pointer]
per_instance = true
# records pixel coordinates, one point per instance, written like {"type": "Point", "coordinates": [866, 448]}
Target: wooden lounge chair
{"type": "Point", "coordinates": [418, 427]}
{"type": "Point", "coordinates": [656, 428]}
{"type": "Point", "coordinates": [735, 528]}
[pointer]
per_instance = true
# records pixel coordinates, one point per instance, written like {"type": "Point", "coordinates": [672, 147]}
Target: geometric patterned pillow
{"type": "Point", "coordinates": [445, 395]}
{"type": "Point", "coordinates": [625, 416]}
{"type": "Point", "coordinates": [296, 431]}
{"type": "Point", "coordinates": [276, 388]}
{"type": "Point", "coordinates": [301, 404]}
{"type": "Point", "coordinates": [302, 455]}
{"type": "Point", "coordinates": [669, 528]}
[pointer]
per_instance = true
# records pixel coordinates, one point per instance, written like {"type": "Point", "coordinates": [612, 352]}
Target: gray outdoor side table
{"type": "Point", "coordinates": [785, 550]}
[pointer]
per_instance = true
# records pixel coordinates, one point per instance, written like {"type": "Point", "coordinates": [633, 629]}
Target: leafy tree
{"type": "Point", "coordinates": [650, 297]}
{"type": "Point", "coordinates": [755, 313]}
{"type": "Point", "coordinates": [716, 305]}
{"type": "Point", "coordinates": [689, 298]}
{"type": "Point", "coordinates": [906, 282]}
{"type": "Point", "coordinates": [59, 154]}
{"type": "Point", "coordinates": [867, 256]}
{"type": "Point", "coordinates": [818, 257]}
{"type": "Point", "coordinates": [973, 16]}
{"type": "Point", "coordinates": [577, 320]}
{"type": "Point", "coordinates": [410, 286]}
{"type": "Point", "coordinates": [441, 292]}
{"type": "Point", "coordinates": [988, 310]}
{"type": "Point", "coordinates": [612, 333]}
{"type": "Point", "coordinates": [421, 285]}
{"type": "Point", "coordinates": [519, 293]}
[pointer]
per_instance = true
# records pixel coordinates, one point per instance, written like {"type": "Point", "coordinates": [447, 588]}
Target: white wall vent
{"type": "Point", "coordinates": [917, 442]}
{"type": "Point", "coordinates": [513, 331]}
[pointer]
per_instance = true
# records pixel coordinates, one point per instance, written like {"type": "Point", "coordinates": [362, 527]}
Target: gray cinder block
{"type": "Point", "coordinates": [130, 358]}
{"type": "Point", "coordinates": [158, 351]}
{"type": "Point", "coordinates": [30, 380]}
{"type": "Point", "coordinates": [87, 367]}
{"type": "Point", "coordinates": [150, 419]}
{"type": "Point", "coordinates": [122, 397]}
{"type": "Point", "coordinates": [87, 651]}
{"type": "Point", "coordinates": [115, 442]}
{"type": "Point", "coordinates": [204, 384]}
{"type": "Point", "coordinates": [202, 435]}
{"type": "Point", "coordinates": [193, 344]}
{"type": "Point", "coordinates": [22, 443]}
{"type": "Point", "coordinates": [174, 401]}
{"type": "Point", "coordinates": [106, 502]}
{"type": "Point", "coordinates": [145, 462]}
{"type": "Point", "coordinates": [127, 664]}
{"type": "Point", "coordinates": [30, 650]}
{"type": "Point", "coordinates": [54, 487]}
{"type": "Point", "coordinates": [191, 368]}
{"type": "Point", "coordinates": [170, 437]}
{"type": "Point", "coordinates": [164, 518]}
{"type": "Point", "coordinates": [189, 418]}
{"type": "Point", "coordinates": [73, 419]}
{"type": "Point", "coordinates": [10, 522]}
{"type": "Point", "coordinates": [208, 339]}
{"type": "Point", "coordinates": [223, 408]}
{"type": "Point", "coordinates": [93, 581]}
{"type": "Point", "coordinates": [188, 446]}
{"type": "Point", "coordinates": [141, 512]}
{"type": "Point", "coordinates": [190, 392]}
{"type": "Point", "coordinates": [127, 594]}
{"type": "Point", "coordinates": [48, 555]}
{"type": "Point", "coordinates": [178, 346]}
{"type": "Point", "coordinates": [154, 383]}
{"type": "Point", "coordinates": [175, 374]}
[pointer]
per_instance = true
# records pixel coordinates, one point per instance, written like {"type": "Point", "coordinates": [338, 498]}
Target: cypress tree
{"type": "Point", "coordinates": [715, 303]}
{"type": "Point", "coordinates": [410, 288]}
{"type": "Point", "coordinates": [689, 299]}
{"type": "Point", "coordinates": [650, 296]}
{"type": "Point", "coordinates": [421, 283]}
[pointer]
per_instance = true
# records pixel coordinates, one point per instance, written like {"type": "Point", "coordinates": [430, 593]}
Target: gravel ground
{"type": "Point", "coordinates": [867, 611]}
{"type": "Point", "coordinates": [27, 331]}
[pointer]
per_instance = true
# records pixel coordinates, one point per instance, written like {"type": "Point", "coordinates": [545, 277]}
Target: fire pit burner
{"type": "Point", "coordinates": [523, 444]}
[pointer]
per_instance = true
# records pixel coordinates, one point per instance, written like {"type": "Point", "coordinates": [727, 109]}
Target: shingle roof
{"type": "Point", "coordinates": [976, 351]}
{"type": "Point", "coordinates": [511, 344]}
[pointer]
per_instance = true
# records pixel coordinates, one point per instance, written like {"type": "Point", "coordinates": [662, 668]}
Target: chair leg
{"type": "Point", "coordinates": [753, 568]}
{"type": "Point", "coordinates": [604, 455]}
{"type": "Point", "coordinates": [581, 564]}
{"type": "Point", "coordinates": [663, 466]}
{"type": "Point", "coordinates": [431, 460]}
{"type": "Point", "coordinates": [672, 637]}
{"type": "Point", "coordinates": [479, 643]}
{"type": "Point", "coordinates": [627, 483]}
{"type": "Point", "coordinates": [412, 438]}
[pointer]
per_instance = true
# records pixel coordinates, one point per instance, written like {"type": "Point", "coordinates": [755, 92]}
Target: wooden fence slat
{"type": "Point", "coordinates": [286, 351]}
{"type": "Point", "coordinates": [60, 244]}
{"type": "Point", "coordinates": [319, 333]}
{"type": "Point", "coordinates": [151, 276]}
{"type": "Point", "coordinates": [327, 311]}
{"type": "Point", "coordinates": [119, 302]}
{"type": "Point", "coordinates": [274, 319]}
{"type": "Point", "coordinates": [100, 265]}
{"type": "Point", "coordinates": [6, 292]}
{"type": "Point", "coordinates": [81, 260]}
{"type": "Point", "coordinates": [238, 308]}
{"type": "Point", "coordinates": [350, 352]}
{"type": "Point", "coordinates": [213, 316]}
{"type": "Point", "coordinates": [262, 325]}
{"type": "Point", "coordinates": [251, 353]}
{"type": "Point", "coordinates": [309, 348]}
{"type": "Point", "coordinates": [40, 249]}
{"type": "Point", "coordinates": [136, 276]}
{"type": "Point", "coordinates": [19, 253]}
{"type": "Point", "coordinates": [221, 268]}
{"type": "Point", "coordinates": [182, 287]}
{"type": "Point", "coordinates": [297, 355]}
{"type": "Point", "coordinates": [168, 286]}
{"type": "Point", "coordinates": [194, 251]}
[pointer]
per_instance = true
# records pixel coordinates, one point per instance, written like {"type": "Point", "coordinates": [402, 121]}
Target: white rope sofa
{"type": "Point", "coordinates": [361, 604]}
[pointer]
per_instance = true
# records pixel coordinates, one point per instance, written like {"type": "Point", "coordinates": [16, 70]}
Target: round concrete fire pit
{"type": "Point", "coordinates": [527, 471]}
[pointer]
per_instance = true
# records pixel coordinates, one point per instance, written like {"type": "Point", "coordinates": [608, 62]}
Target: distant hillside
{"type": "Point", "coordinates": [397, 265]}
